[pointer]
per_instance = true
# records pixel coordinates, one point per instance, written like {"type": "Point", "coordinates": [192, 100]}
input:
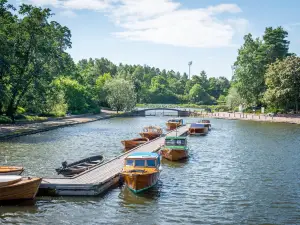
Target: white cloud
{"type": "Point", "coordinates": [86, 4]}
{"type": "Point", "coordinates": [165, 21]}
{"type": "Point", "coordinates": [68, 13]}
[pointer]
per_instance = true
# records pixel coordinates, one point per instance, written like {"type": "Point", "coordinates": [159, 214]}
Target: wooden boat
{"type": "Point", "coordinates": [174, 123]}
{"type": "Point", "coordinates": [18, 188]}
{"type": "Point", "coordinates": [198, 129]}
{"type": "Point", "coordinates": [141, 171]}
{"type": "Point", "coordinates": [11, 170]}
{"type": "Point", "coordinates": [151, 132]}
{"type": "Point", "coordinates": [175, 148]}
{"type": "Point", "coordinates": [130, 144]}
{"type": "Point", "coordinates": [79, 166]}
{"type": "Point", "coordinates": [206, 123]}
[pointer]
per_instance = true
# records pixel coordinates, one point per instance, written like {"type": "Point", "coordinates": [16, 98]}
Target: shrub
{"type": "Point", "coordinates": [5, 120]}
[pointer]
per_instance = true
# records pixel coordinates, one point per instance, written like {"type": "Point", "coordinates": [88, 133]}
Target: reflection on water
{"type": "Point", "coordinates": [240, 173]}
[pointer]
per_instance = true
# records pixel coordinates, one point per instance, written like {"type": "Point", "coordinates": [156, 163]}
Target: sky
{"type": "Point", "coordinates": [169, 33]}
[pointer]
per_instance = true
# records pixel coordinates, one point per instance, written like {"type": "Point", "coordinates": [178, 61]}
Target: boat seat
{"type": "Point", "coordinates": [79, 166]}
{"type": "Point", "coordinates": [89, 164]}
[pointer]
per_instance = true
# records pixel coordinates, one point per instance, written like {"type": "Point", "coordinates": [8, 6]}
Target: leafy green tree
{"type": "Point", "coordinates": [283, 82]}
{"type": "Point", "coordinates": [120, 94]}
{"type": "Point", "coordinates": [36, 51]}
{"type": "Point", "coordinates": [234, 99]}
{"type": "Point", "coordinates": [276, 44]}
{"type": "Point", "coordinates": [253, 59]}
{"type": "Point", "coordinates": [99, 90]}
{"type": "Point", "coordinates": [199, 96]}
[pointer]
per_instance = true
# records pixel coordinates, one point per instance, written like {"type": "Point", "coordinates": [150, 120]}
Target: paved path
{"type": "Point", "coordinates": [15, 130]}
{"type": "Point", "coordinates": [251, 117]}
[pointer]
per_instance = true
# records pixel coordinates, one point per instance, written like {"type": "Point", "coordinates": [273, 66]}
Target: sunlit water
{"type": "Point", "coordinates": [240, 173]}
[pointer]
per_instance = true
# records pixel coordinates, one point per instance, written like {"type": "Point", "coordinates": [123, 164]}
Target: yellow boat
{"type": "Point", "coordinates": [141, 171]}
{"type": "Point", "coordinates": [206, 124]}
{"type": "Point", "coordinates": [198, 129]}
{"type": "Point", "coordinates": [130, 144]}
{"type": "Point", "coordinates": [174, 123]}
{"type": "Point", "coordinates": [151, 132]}
{"type": "Point", "coordinates": [175, 148]}
{"type": "Point", "coordinates": [18, 188]}
{"type": "Point", "coordinates": [11, 170]}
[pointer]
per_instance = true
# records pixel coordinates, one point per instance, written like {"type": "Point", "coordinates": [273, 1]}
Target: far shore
{"type": "Point", "coordinates": [8, 131]}
{"type": "Point", "coordinates": [286, 118]}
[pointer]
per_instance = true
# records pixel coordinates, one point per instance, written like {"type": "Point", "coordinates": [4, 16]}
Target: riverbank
{"type": "Point", "coordinates": [251, 117]}
{"type": "Point", "coordinates": [8, 131]}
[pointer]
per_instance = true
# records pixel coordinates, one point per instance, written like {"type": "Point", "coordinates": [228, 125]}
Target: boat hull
{"type": "Point", "coordinates": [174, 155]}
{"type": "Point", "coordinates": [80, 166]}
{"type": "Point", "coordinates": [140, 182]}
{"type": "Point", "coordinates": [11, 170]}
{"type": "Point", "coordinates": [130, 144]}
{"type": "Point", "coordinates": [198, 131]}
{"type": "Point", "coordinates": [23, 190]}
{"type": "Point", "coordinates": [172, 126]}
{"type": "Point", "coordinates": [150, 136]}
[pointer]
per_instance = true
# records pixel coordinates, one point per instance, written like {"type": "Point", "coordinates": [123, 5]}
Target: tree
{"type": "Point", "coordinates": [276, 44]}
{"type": "Point", "coordinates": [199, 96]}
{"type": "Point", "coordinates": [233, 98]}
{"type": "Point", "coordinates": [283, 82]}
{"type": "Point", "coordinates": [120, 94]}
{"type": "Point", "coordinates": [250, 69]}
{"type": "Point", "coordinates": [99, 89]}
{"type": "Point", "coordinates": [36, 51]}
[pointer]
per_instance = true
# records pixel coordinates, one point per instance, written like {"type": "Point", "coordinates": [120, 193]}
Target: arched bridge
{"type": "Point", "coordinates": [142, 112]}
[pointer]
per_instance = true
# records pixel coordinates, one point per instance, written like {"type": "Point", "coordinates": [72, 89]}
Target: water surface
{"type": "Point", "coordinates": [240, 173]}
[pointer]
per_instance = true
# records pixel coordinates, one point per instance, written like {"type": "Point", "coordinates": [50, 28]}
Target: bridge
{"type": "Point", "coordinates": [142, 112]}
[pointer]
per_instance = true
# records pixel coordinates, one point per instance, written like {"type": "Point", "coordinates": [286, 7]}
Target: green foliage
{"type": "Point", "coordinates": [5, 120]}
{"type": "Point", "coordinates": [283, 82]}
{"type": "Point", "coordinates": [253, 59]}
{"type": "Point", "coordinates": [233, 99]}
{"type": "Point", "coordinates": [20, 110]}
{"type": "Point", "coordinates": [28, 56]}
{"type": "Point", "coordinates": [120, 94]}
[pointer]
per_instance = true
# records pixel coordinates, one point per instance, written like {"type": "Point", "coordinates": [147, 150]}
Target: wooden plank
{"type": "Point", "coordinates": [102, 177]}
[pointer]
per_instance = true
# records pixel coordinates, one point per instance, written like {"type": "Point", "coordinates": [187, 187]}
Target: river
{"type": "Point", "coordinates": [240, 173]}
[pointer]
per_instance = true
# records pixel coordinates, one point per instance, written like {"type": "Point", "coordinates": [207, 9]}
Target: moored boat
{"type": "Point", "coordinates": [198, 129]}
{"type": "Point", "coordinates": [79, 166]}
{"type": "Point", "coordinates": [206, 123]}
{"type": "Point", "coordinates": [141, 171]}
{"type": "Point", "coordinates": [11, 170]}
{"type": "Point", "coordinates": [130, 144]}
{"type": "Point", "coordinates": [175, 148]}
{"type": "Point", "coordinates": [174, 123]}
{"type": "Point", "coordinates": [18, 188]}
{"type": "Point", "coordinates": [151, 132]}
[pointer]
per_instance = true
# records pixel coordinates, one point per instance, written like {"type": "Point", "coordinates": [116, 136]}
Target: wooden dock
{"type": "Point", "coordinates": [101, 178]}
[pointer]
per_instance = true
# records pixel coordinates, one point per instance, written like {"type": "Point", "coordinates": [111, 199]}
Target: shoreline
{"type": "Point", "coordinates": [9, 131]}
{"type": "Point", "coordinates": [250, 117]}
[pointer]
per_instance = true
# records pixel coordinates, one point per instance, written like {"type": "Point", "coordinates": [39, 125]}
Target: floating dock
{"type": "Point", "coordinates": [99, 179]}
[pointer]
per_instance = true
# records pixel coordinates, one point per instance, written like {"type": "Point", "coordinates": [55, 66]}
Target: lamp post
{"type": "Point", "coordinates": [190, 63]}
{"type": "Point", "coordinates": [233, 67]}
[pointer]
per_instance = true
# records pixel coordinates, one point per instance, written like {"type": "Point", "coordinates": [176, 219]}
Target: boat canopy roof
{"type": "Point", "coordinates": [141, 155]}
{"type": "Point", "coordinates": [175, 138]}
{"type": "Point", "coordinates": [152, 128]}
{"type": "Point", "coordinates": [197, 125]}
{"type": "Point", "coordinates": [175, 120]}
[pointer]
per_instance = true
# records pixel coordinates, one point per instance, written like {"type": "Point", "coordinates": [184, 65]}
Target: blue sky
{"type": "Point", "coordinates": [169, 33]}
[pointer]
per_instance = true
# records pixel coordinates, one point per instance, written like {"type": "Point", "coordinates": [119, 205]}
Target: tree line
{"type": "Point", "coordinates": [266, 73]}
{"type": "Point", "coordinates": [38, 76]}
